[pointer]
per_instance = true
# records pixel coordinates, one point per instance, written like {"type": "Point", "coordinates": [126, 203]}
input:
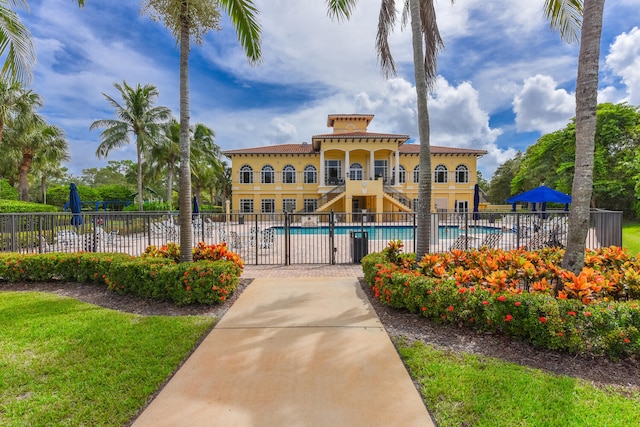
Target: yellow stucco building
{"type": "Point", "coordinates": [349, 170]}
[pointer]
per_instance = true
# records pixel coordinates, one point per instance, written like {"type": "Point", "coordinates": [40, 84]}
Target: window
{"type": "Point", "coordinates": [267, 175]}
{"type": "Point", "coordinates": [356, 172]}
{"type": "Point", "coordinates": [402, 175]}
{"type": "Point", "coordinates": [310, 205]}
{"type": "Point", "coordinates": [268, 205]}
{"type": "Point", "coordinates": [333, 172]}
{"type": "Point", "coordinates": [246, 175]}
{"type": "Point", "coordinates": [441, 174]}
{"type": "Point", "coordinates": [415, 205]}
{"type": "Point", "coordinates": [289, 175]}
{"type": "Point", "coordinates": [416, 174]}
{"type": "Point", "coordinates": [380, 169]}
{"type": "Point", "coordinates": [246, 205]}
{"type": "Point", "coordinates": [288, 205]}
{"type": "Point", "coordinates": [310, 174]}
{"type": "Point", "coordinates": [462, 173]}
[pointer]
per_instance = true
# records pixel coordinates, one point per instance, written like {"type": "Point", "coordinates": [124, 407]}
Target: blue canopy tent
{"type": "Point", "coordinates": [75, 205]}
{"type": "Point", "coordinates": [542, 195]}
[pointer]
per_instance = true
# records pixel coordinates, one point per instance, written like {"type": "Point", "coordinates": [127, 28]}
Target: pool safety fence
{"type": "Point", "coordinates": [299, 238]}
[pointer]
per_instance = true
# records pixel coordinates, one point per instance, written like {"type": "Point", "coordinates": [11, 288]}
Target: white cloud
{"type": "Point", "coordinates": [624, 60]}
{"type": "Point", "coordinates": [541, 106]}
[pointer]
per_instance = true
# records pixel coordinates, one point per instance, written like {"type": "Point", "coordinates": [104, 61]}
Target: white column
{"type": "Point", "coordinates": [396, 178]}
{"type": "Point", "coordinates": [321, 177]}
{"type": "Point", "coordinates": [346, 163]}
{"type": "Point", "coordinates": [372, 164]}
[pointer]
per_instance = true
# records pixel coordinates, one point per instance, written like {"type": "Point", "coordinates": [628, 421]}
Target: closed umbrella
{"type": "Point", "coordinates": [476, 202]}
{"type": "Point", "coordinates": [75, 205]}
{"type": "Point", "coordinates": [196, 208]}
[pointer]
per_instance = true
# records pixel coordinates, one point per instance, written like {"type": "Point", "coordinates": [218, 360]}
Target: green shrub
{"type": "Point", "coordinates": [203, 282]}
{"type": "Point", "coordinates": [7, 191]}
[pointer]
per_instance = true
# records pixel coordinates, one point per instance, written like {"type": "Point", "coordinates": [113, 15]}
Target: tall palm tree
{"type": "Point", "coordinates": [15, 43]}
{"type": "Point", "coordinates": [426, 42]}
{"type": "Point", "coordinates": [585, 17]}
{"type": "Point", "coordinates": [586, 104]}
{"type": "Point", "coordinates": [34, 139]}
{"type": "Point", "coordinates": [193, 18]}
{"type": "Point", "coordinates": [136, 116]}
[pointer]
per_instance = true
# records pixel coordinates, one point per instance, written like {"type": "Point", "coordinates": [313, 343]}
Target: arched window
{"type": "Point", "coordinates": [246, 175]}
{"type": "Point", "coordinates": [267, 174]}
{"type": "Point", "coordinates": [356, 172]}
{"type": "Point", "coordinates": [416, 174]}
{"type": "Point", "coordinates": [441, 174]}
{"type": "Point", "coordinates": [310, 174]}
{"type": "Point", "coordinates": [462, 173]}
{"type": "Point", "coordinates": [402, 175]}
{"type": "Point", "coordinates": [288, 174]}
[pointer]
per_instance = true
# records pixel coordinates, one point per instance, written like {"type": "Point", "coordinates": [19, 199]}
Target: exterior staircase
{"type": "Point", "coordinates": [398, 198]}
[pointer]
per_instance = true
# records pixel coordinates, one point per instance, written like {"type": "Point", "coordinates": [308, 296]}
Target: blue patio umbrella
{"type": "Point", "coordinates": [476, 202]}
{"type": "Point", "coordinates": [541, 194]}
{"type": "Point", "coordinates": [75, 205]}
{"type": "Point", "coordinates": [196, 208]}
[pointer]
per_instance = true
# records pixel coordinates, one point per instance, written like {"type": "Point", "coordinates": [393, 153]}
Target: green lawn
{"type": "Point", "coordinates": [469, 390]}
{"type": "Point", "coordinates": [631, 237]}
{"type": "Point", "coordinates": [68, 363]}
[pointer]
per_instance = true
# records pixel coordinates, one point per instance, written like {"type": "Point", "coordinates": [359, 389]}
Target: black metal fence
{"type": "Point", "coordinates": [299, 238]}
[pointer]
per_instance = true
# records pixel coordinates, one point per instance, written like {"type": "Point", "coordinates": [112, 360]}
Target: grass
{"type": "Point", "coordinates": [469, 390]}
{"type": "Point", "coordinates": [67, 363]}
{"type": "Point", "coordinates": [631, 237]}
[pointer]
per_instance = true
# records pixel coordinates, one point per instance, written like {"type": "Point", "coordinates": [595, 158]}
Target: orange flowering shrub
{"type": "Point", "coordinates": [514, 293]}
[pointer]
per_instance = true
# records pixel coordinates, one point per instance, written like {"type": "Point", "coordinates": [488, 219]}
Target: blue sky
{"type": "Point", "coordinates": [504, 77]}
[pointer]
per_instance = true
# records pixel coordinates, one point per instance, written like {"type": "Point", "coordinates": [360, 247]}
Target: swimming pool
{"type": "Point", "coordinates": [387, 232]}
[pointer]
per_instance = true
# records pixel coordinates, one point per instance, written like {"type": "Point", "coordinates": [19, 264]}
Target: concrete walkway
{"type": "Point", "coordinates": [292, 351]}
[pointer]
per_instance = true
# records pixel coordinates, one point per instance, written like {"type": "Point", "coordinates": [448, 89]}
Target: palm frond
{"type": "Point", "coordinates": [386, 22]}
{"type": "Point", "coordinates": [243, 15]}
{"type": "Point", "coordinates": [565, 16]}
{"type": "Point", "coordinates": [341, 9]}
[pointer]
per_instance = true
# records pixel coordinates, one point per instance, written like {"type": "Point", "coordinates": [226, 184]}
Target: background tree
{"type": "Point", "coordinates": [499, 189]}
{"type": "Point", "coordinates": [136, 116]}
{"type": "Point", "coordinates": [193, 18]}
{"type": "Point", "coordinates": [165, 156]}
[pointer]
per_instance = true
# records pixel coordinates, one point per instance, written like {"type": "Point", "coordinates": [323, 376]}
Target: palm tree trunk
{"type": "Point", "coordinates": [43, 188]}
{"type": "Point", "coordinates": [140, 195]}
{"type": "Point", "coordinates": [170, 185]}
{"type": "Point", "coordinates": [186, 236]}
{"type": "Point", "coordinates": [586, 103]}
{"type": "Point", "coordinates": [23, 176]}
{"type": "Point", "coordinates": [423, 209]}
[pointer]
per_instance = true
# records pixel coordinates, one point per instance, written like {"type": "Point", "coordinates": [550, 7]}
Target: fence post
{"type": "Point", "coordinates": [287, 243]}
{"type": "Point", "coordinates": [332, 248]}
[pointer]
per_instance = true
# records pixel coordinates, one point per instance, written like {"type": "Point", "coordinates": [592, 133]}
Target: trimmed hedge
{"type": "Point", "coordinates": [204, 281]}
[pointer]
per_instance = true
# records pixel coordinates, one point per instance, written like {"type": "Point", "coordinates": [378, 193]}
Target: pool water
{"type": "Point", "coordinates": [387, 232]}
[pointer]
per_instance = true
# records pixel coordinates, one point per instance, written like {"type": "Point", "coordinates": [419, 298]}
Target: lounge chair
{"type": "Point", "coordinates": [235, 242]}
{"type": "Point", "coordinates": [491, 240]}
{"type": "Point", "coordinates": [107, 238]}
{"type": "Point", "coordinates": [463, 242]}
{"type": "Point", "coordinates": [268, 235]}
{"type": "Point", "coordinates": [538, 240]}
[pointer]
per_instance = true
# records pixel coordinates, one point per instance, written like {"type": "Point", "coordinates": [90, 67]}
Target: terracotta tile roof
{"type": "Point", "coordinates": [435, 149]}
{"type": "Point", "coordinates": [305, 148]}
{"type": "Point", "coordinates": [361, 135]}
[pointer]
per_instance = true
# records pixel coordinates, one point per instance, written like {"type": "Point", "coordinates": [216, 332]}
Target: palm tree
{"type": "Point", "coordinates": [426, 42]}
{"type": "Point", "coordinates": [14, 100]}
{"type": "Point", "coordinates": [35, 140]}
{"type": "Point", "coordinates": [165, 155]}
{"type": "Point", "coordinates": [193, 18]}
{"type": "Point", "coordinates": [136, 115]}
{"type": "Point", "coordinates": [15, 43]}
{"type": "Point", "coordinates": [569, 17]}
